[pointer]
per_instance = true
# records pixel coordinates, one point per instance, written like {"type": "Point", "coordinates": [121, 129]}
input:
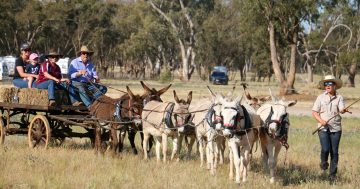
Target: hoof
{"type": "Point", "coordinates": [272, 180]}
{"type": "Point", "coordinates": [237, 182]}
{"type": "Point", "coordinates": [135, 152]}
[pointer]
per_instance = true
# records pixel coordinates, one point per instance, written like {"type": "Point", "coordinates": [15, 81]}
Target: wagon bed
{"type": "Point", "coordinates": [44, 123]}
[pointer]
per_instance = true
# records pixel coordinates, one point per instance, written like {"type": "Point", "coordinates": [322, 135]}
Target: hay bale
{"type": "Point", "coordinates": [33, 96]}
{"type": "Point", "coordinates": [7, 94]}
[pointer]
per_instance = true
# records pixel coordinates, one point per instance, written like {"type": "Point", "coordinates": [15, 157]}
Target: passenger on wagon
{"type": "Point", "coordinates": [84, 79]}
{"type": "Point", "coordinates": [32, 68]}
{"type": "Point", "coordinates": [50, 76]}
{"type": "Point", "coordinates": [20, 77]}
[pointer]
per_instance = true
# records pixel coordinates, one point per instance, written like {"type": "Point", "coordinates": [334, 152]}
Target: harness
{"type": "Point", "coordinates": [209, 116]}
{"type": "Point", "coordinates": [240, 129]}
{"type": "Point", "coordinates": [281, 133]}
{"type": "Point", "coordinates": [168, 114]}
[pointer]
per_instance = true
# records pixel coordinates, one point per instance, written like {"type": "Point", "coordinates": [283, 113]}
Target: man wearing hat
{"type": "Point", "coordinates": [84, 79]}
{"type": "Point", "coordinates": [326, 106]}
{"type": "Point", "coordinates": [20, 64]}
{"type": "Point", "coordinates": [50, 76]}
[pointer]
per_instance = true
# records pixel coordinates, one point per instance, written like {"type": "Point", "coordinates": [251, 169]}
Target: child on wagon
{"type": "Point", "coordinates": [32, 68]}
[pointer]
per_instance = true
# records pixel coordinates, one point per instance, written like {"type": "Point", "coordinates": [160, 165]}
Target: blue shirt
{"type": "Point", "coordinates": [77, 65]}
{"type": "Point", "coordinates": [32, 69]}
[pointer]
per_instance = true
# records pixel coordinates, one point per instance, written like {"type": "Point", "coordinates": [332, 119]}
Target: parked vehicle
{"type": "Point", "coordinates": [219, 75]}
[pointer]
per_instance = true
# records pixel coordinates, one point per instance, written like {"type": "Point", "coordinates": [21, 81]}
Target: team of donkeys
{"type": "Point", "coordinates": [210, 121]}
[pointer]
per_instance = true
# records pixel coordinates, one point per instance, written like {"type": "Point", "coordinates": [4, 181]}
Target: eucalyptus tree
{"type": "Point", "coordinates": [284, 20]}
{"type": "Point", "coordinates": [180, 16]}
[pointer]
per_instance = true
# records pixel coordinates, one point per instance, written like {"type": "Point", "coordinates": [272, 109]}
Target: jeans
{"type": "Point", "coordinates": [21, 83]}
{"type": "Point", "coordinates": [88, 92]}
{"type": "Point", "coordinates": [330, 145]}
{"type": "Point", "coordinates": [50, 86]}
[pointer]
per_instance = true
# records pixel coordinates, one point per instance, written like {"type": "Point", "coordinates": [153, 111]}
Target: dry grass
{"type": "Point", "coordinates": [74, 165]}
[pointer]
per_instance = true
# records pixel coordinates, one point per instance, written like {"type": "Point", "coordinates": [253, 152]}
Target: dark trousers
{"type": "Point", "coordinates": [330, 145]}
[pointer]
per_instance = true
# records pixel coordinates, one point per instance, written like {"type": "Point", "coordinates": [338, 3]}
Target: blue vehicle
{"type": "Point", "coordinates": [219, 75]}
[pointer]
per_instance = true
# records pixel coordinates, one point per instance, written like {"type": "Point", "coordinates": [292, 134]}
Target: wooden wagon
{"type": "Point", "coordinates": [45, 123]}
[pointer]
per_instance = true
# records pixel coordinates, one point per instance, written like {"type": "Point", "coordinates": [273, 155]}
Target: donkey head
{"type": "Point", "coordinates": [152, 94]}
{"type": "Point", "coordinates": [213, 116]}
{"type": "Point", "coordinates": [181, 114]}
{"type": "Point", "coordinates": [135, 106]}
{"type": "Point", "coordinates": [232, 114]}
{"type": "Point", "coordinates": [255, 102]}
{"type": "Point", "coordinates": [275, 116]}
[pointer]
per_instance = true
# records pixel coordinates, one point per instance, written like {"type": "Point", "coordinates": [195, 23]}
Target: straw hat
{"type": "Point", "coordinates": [53, 52]}
{"type": "Point", "coordinates": [85, 49]}
{"type": "Point", "coordinates": [331, 78]}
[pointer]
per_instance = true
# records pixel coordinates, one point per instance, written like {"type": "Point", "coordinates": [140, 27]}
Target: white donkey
{"type": "Point", "coordinates": [239, 128]}
{"type": "Point", "coordinates": [207, 123]}
{"type": "Point", "coordinates": [161, 120]}
{"type": "Point", "coordinates": [274, 132]}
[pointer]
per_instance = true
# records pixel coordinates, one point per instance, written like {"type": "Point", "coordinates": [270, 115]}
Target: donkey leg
{"type": "Point", "coordinates": [201, 150]}
{"type": "Point", "coordinates": [190, 145]}
{"type": "Point", "coordinates": [164, 144]}
{"type": "Point", "coordinates": [175, 149]}
{"type": "Point", "coordinates": [114, 140]}
{"type": "Point", "coordinates": [270, 150]}
{"type": "Point", "coordinates": [179, 145]}
{"type": "Point", "coordinates": [231, 164]}
{"type": "Point", "coordinates": [145, 141]}
{"type": "Point", "coordinates": [131, 137]}
{"type": "Point", "coordinates": [244, 163]}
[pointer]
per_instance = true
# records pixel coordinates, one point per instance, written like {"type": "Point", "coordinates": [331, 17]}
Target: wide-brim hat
{"type": "Point", "coordinates": [331, 78]}
{"type": "Point", "coordinates": [85, 49]}
{"type": "Point", "coordinates": [53, 52]}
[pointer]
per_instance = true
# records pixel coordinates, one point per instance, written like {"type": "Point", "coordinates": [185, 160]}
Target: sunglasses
{"type": "Point", "coordinates": [329, 83]}
{"type": "Point", "coordinates": [53, 57]}
{"type": "Point", "coordinates": [26, 50]}
{"type": "Point", "coordinates": [85, 53]}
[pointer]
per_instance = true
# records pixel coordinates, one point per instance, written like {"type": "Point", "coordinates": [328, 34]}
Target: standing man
{"type": "Point", "coordinates": [326, 106]}
{"type": "Point", "coordinates": [20, 64]}
{"type": "Point", "coordinates": [84, 79]}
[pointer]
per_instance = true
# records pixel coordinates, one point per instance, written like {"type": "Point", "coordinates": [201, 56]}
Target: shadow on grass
{"type": "Point", "coordinates": [293, 174]}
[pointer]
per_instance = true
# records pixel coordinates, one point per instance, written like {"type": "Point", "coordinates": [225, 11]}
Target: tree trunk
{"type": "Point", "coordinates": [275, 63]}
{"type": "Point", "coordinates": [352, 73]}
{"type": "Point", "coordinates": [292, 70]}
{"type": "Point", "coordinates": [310, 73]}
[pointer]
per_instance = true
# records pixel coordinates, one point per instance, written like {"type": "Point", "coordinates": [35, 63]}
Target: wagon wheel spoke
{"type": "Point", "coordinates": [39, 132]}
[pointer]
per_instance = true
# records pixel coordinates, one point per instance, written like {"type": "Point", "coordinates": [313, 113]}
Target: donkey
{"type": "Point", "coordinates": [127, 108]}
{"type": "Point", "coordinates": [162, 120]}
{"type": "Point", "coordinates": [148, 95]}
{"type": "Point", "coordinates": [274, 131]}
{"type": "Point", "coordinates": [239, 126]}
{"type": "Point", "coordinates": [107, 110]}
{"type": "Point", "coordinates": [207, 126]}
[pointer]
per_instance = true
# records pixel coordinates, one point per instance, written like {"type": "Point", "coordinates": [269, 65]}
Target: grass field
{"type": "Point", "coordinates": [74, 164]}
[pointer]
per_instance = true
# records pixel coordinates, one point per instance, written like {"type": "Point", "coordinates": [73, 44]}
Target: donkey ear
{"type": "Point", "coordinates": [292, 103]}
{"type": "Point", "coordinates": [146, 88]}
{"type": "Point", "coordinates": [163, 90]}
{"type": "Point", "coordinates": [211, 92]}
{"type": "Point", "coordinates": [247, 94]}
{"type": "Point", "coordinates": [189, 98]}
{"type": "Point", "coordinates": [264, 99]}
{"type": "Point", "coordinates": [273, 98]}
{"type": "Point", "coordinates": [131, 95]}
{"type": "Point", "coordinates": [176, 97]}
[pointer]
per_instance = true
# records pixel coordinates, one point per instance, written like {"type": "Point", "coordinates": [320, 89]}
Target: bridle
{"type": "Point", "coordinates": [281, 133]}
{"type": "Point", "coordinates": [218, 119]}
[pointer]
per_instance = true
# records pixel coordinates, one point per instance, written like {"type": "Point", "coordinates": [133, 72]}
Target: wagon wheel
{"type": "Point", "coordinates": [39, 132]}
{"type": "Point", "coordinates": [2, 131]}
{"type": "Point", "coordinates": [57, 126]}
